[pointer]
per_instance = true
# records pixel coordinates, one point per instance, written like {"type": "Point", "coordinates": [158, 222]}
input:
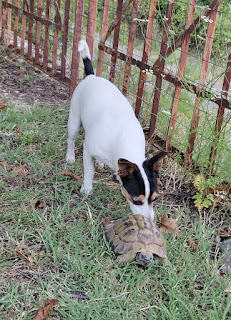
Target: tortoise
{"type": "Point", "coordinates": [136, 236]}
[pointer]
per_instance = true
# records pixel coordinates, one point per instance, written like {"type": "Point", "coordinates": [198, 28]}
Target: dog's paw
{"type": "Point", "coordinates": [85, 191]}
{"type": "Point", "coordinates": [70, 159]}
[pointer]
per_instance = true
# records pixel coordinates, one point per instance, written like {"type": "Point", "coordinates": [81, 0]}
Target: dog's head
{"type": "Point", "coordinates": [140, 184]}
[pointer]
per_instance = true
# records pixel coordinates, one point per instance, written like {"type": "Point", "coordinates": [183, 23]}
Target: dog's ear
{"type": "Point", "coordinates": [156, 162]}
{"type": "Point", "coordinates": [126, 168]}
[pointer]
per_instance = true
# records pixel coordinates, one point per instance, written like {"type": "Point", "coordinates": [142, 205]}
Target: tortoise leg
{"type": "Point", "coordinates": [127, 257]}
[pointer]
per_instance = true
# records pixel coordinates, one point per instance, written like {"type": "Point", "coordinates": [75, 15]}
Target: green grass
{"type": "Point", "coordinates": [67, 251]}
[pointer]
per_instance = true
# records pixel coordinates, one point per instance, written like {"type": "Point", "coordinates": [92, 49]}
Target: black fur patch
{"type": "Point", "coordinates": [152, 178]}
{"type": "Point", "coordinates": [134, 184]}
{"type": "Point", "coordinates": [88, 66]}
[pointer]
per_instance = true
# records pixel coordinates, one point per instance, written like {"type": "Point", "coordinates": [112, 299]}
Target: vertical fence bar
{"type": "Point", "coordinates": [23, 29]}
{"type": "Point", "coordinates": [158, 84]}
{"type": "Point", "coordinates": [30, 31]}
{"type": "Point", "coordinates": [92, 13]}
{"type": "Point", "coordinates": [3, 24]}
{"type": "Point", "coordinates": [76, 38]}
{"type": "Point", "coordinates": [65, 38]}
{"type": "Point", "coordinates": [103, 32]}
{"type": "Point", "coordinates": [146, 51]}
{"type": "Point", "coordinates": [46, 38]}
{"type": "Point", "coordinates": [55, 40]}
{"type": "Point", "coordinates": [1, 8]}
{"type": "Point", "coordinates": [202, 81]}
{"type": "Point", "coordinates": [130, 47]}
{"type": "Point", "coordinates": [182, 64]}
{"type": "Point", "coordinates": [116, 41]}
{"type": "Point", "coordinates": [9, 14]}
{"type": "Point", "coordinates": [220, 113]}
{"type": "Point", "coordinates": [16, 19]}
{"type": "Point", "coordinates": [38, 31]}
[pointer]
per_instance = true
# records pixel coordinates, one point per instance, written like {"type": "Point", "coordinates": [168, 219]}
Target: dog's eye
{"type": "Point", "coordinates": [154, 196]}
{"type": "Point", "coordinates": [137, 202]}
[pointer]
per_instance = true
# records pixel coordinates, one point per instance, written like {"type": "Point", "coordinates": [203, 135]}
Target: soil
{"type": "Point", "coordinates": [22, 83]}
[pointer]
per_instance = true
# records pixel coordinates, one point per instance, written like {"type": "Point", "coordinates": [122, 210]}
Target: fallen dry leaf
{"type": "Point", "coordinates": [169, 225]}
{"type": "Point", "coordinates": [71, 174]}
{"type": "Point", "coordinates": [39, 204]}
{"type": "Point", "coordinates": [193, 245]}
{"type": "Point", "coordinates": [47, 308]}
{"type": "Point", "coordinates": [19, 132]}
{"type": "Point", "coordinates": [7, 166]}
{"type": "Point", "coordinates": [2, 106]}
{"type": "Point", "coordinates": [22, 170]}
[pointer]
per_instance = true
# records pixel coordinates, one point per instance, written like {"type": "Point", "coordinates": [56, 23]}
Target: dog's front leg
{"type": "Point", "coordinates": [88, 165]}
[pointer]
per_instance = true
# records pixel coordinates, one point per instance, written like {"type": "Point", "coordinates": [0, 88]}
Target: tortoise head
{"type": "Point", "coordinates": [144, 258]}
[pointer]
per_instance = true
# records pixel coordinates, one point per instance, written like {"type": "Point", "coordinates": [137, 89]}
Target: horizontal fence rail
{"type": "Point", "coordinates": [47, 33]}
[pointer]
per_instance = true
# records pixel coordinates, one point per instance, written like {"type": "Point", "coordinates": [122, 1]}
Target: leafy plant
{"type": "Point", "coordinates": [204, 198]}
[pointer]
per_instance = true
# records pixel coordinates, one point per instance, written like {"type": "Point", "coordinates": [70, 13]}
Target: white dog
{"type": "Point", "coordinates": [114, 136]}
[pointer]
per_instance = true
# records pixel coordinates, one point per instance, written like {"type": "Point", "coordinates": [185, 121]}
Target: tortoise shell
{"type": "Point", "coordinates": [135, 234]}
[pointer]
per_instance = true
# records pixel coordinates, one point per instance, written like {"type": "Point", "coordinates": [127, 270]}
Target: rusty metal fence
{"type": "Point", "coordinates": [47, 33]}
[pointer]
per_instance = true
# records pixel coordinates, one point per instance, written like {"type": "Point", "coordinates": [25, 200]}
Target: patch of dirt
{"type": "Point", "coordinates": [21, 82]}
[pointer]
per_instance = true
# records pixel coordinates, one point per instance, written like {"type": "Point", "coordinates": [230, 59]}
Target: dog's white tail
{"type": "Point", "coordinates": [86, 56]}
{"type": "Point", "coordinates": [84, 50]}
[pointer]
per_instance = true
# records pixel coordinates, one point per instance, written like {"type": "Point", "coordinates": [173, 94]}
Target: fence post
{"type": "Point", "coordinates": [103, 32]}
{"type": "Point", "coordinates": [23, 28]}
{"type": "Point", "coordinates": [158, 84]}
{"type": "Point", "coordinates": [55, 38]}
{"type": "Point", "coordinates": [30, 31]}
{"type": "Point", "coordinates": [46, 40]}
{"type": "Point", "coordinates": [9, 14]}
{"type": "Point", "coordinates": [180, 73]}
{"type": "Point", "coordinates": [65, 38]}
{"type": "Point", "coordinates": [3, 22]}
{"type": "Point", "coordinates": [146, 50]}
{"type": "Point", "coordinates": [38, 32]}
{"type": "Point", "coordinates": [130, 47]}
{"type": "Point", "coordinates": [202, 82]}
{"type": "Point", "coordinates": [16, 20]}
{"type": "Point", "coordinates": [116, 41]}
{"type": "Point", "coordinates": [220, 113]}
{"type": "Point", "coordinates": [76, 39]}
{"type": "Point", "coordinates": [92, 13]}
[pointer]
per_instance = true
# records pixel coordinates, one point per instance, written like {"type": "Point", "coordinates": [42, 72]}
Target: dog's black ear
{"type": "Point", "coordinates": [156, 162]}
{"type": "Point", "coordinates": [126, 168]}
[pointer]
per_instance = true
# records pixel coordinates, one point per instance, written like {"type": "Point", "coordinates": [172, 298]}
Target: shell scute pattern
{"type": "Point", "coordinates": [134, 234]}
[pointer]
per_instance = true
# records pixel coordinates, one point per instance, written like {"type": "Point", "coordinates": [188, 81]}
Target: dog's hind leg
{"type": "Point", "coordinates": [88, 164]}
{"type": "Point", "coordinates": [74, 124]}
